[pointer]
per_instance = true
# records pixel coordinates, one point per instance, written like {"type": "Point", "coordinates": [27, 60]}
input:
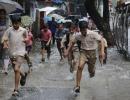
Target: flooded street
{"type": "Point", "coordinates": [48, 81]}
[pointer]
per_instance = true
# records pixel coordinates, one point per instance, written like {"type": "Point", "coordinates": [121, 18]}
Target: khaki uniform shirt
{"type": "Point", "coordinates": [64, 40]}
{"type": "Point", "coordinates": [88, 42]}
{"type": "Point", "coordinates": [71, 36]}
{"type": "Point", "coordinates": [16, 38]}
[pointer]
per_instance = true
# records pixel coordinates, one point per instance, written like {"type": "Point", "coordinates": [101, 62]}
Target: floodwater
{"type": "Point", "coordinates": [48, 80]}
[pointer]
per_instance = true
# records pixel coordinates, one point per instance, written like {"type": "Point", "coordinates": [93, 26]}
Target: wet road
{"type": "Point", "coordinates": [48, 81]}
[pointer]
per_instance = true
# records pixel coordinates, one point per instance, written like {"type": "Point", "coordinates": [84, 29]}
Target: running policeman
{"type": "Point", "coordinates": [89, 41]}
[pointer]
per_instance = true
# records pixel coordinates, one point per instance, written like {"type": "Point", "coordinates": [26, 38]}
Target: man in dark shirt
{"type": "Point", "coordinates": [58, 36]}
{"type": "Point", "coordinates": [52, 26]}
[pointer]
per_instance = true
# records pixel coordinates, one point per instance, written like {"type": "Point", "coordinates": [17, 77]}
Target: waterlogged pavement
{"type": "Point", "coordinates": [48, 80]}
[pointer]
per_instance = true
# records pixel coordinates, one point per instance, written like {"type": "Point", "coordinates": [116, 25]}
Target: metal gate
{"type": "Point", "coordinates": [121, 29]}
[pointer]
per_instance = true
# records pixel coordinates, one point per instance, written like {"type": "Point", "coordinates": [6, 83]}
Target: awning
{"type": "Point", "coordinates": [48, 9]}
{"type": "Point", "coordinates": [56, 16]}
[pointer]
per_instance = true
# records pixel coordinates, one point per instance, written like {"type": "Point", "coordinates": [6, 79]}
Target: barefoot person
{"type": "Point", "coordinates": [45, 36]}
{"type": "Point", "coordinates": [17, 37]}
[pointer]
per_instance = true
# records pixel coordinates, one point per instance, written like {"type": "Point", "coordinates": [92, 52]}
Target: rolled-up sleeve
{"type": "Point", "coordinates": [97, 36]}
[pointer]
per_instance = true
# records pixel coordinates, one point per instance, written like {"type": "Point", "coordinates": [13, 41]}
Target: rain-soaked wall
{"type": "Point", "coordinates": [129, 39]}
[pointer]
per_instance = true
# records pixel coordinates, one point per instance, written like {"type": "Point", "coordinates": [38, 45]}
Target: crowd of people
{"type": "Point", "coordinates": [78, 42]}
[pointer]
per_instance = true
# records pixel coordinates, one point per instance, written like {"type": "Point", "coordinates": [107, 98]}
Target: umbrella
{"type": "Point", "coordinates": [64, 21]}
{"type": "Point", "coordinates": [59, 11]}
{"type": "Point", "coordinates": [9, 5]}
{"type": "Point", "coordinates": [68, 21]}
{"type": "Point", "coordinates": [84, 19]}
{"type": "Point", "coordinates": [56, 16]}
{"type": "Point", "coordinates": [26, 20]}
{"type": "Point", "coordinates": [18, 6]}
{"type": "Point", "coordinates": [61, 21]}
{"type": "Point", "coordinates": [17, 11]}
{"type": "Point", "coordinates": [47, 18]}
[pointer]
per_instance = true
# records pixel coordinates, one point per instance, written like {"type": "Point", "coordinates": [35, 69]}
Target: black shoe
{"type": "Point", "coordinates": [92, 74]}
{"type": "Point", "coordinates": [76, 90]}
{"type": "Point", "coordinates": [104, 61]}
{"type": "Point", "coordinates": [48, 57]}
{"type": "Point", "coordinates": [71, 69]}
{"type": "Point", "coordinates": [6, 73]}
{"type": "Point", "coordinates": [23, 79]}
{"type": "Point", "coordinates": [43, 59]}
{"type": "Point", "coordinates": [15, 93]}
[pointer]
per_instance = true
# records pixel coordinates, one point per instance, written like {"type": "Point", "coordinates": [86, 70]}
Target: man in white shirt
{"type": "Point", "coordinates": [17, 37]}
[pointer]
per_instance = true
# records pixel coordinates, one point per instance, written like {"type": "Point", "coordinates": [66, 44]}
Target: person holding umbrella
{"type": "Point", "coordinates": [3, 49]}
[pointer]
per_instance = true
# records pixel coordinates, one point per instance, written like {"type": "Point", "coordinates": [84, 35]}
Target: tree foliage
{"type": "Point", "coordinates": [102, 23]}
